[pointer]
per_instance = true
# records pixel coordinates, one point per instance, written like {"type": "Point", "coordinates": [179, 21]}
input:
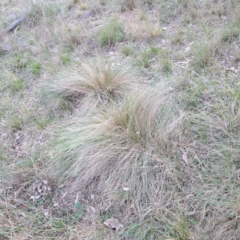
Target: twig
{"type": "Point", "coordinates": [12, 25]}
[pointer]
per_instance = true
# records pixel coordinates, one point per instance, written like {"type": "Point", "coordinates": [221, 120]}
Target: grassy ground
{"type": "Point", "coordinates": [120, 120]}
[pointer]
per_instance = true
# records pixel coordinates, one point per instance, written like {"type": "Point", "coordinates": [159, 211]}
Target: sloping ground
{"type": "Point", "coordinates": [120, 119]}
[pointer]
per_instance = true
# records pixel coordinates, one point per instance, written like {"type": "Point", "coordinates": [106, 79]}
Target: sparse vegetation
{"type": "Point", "coordinates": [120, 120]}
{"type": "Point", "coordinates": [13, 83]}
{"type": "Point", "coordinates": [165, 65]}
{"type": "Point", "coordinates": [202, 56]}
{"type": "Point", "coordinates": [35, 68]}
{"type": "Point", "coordinates": [127, 5]}
{"type": "Point", "coordinates": [143, 30]}
{"type": "Point", "coordinates": [127, 51]}
{"type": "Point", "coordinates": [144, 59]}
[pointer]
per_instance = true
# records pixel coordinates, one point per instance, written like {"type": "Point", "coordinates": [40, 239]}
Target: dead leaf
{"type": "Point", "coordinates": [45, 182]}
{"type": "Point", "coordinates": [46, 213]}
{"type": "Point", "coordinates": [187, 48]}
{"type": "Point", "coordinates": [34, 198]}
{"type": "Point", "coordinates": [93, 209]}
{"type": "Point", "coordinates": [113, 223]}
{"type": "Point", "coordinates": [56, 204]}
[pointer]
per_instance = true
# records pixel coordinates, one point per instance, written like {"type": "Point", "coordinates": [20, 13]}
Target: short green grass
{"type": "Point", "coordinates": [111, 33]}
{"type": "Point", "coordinates": [120, 109]}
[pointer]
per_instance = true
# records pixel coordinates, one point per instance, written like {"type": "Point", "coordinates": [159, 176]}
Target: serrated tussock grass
{"type": "Point", "coordinates": [130, 144]}
{"type": "Point", "coordinates": [133, 156]}
{"type": "Point", "coordinates": [95, 81]}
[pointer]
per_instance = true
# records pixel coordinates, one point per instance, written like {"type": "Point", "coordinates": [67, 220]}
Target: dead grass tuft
{"type": "Point", "coordinates": [97, 80]}
{"type": "Point", "coordinates": [139, 27]}
{"type": "Point", "coordinates": [128, 5]}
{"type": "Point", "coordinates": [143, 30]}
{"type": "Point", "coordinates": [122, 153]}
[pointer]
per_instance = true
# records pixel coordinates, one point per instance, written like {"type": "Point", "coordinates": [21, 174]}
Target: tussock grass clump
{"type": "Point", "coordinates": [127, 50]}
{"type": "Point", "coordinates": [12, 83]}
{"type": "Point", "coordinates": [144, 59]}
{"type": "Point", "coordinates": [203, 54]}
{"type": "Point", "coordinates": [165, 65]}
{"type": "Point", "coordinates": [120, 152]}
{"type": "Point", "coordinates": [43, 11]}
{"type": "Point", "coordinates": [111, 33]}
{"type": "Point", "coordinates": [131, 145]}
{"type": "Point", "coordinates": [230, 32]}
{"type": "Point", "coordinates": [139, 30]}
{"type": "Point", "coordinates": [128, 5]}
{"type": "Point", "coordinates": [70, 35]}
{"type": "Point", "coordinates": [96, 80]}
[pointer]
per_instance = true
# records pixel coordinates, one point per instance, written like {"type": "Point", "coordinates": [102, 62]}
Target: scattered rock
{"type": "Point", "coordinates": [113, 223]}
{"type": "Point", "coordinates": [41, 189]}
{"type": "Point", "coordinates": [125, 188]}
{"type": "Point", "coordinates": [232, 69]}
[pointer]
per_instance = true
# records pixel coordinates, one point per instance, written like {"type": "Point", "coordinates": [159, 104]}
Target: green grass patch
{"type": "Point", "coordinates": [15, 123]}
{"type": "Point", "coordinates": [35, 68]}
{"type": "Point", "coordinates": [111, 33]}
{"type": "Point", "coordinates": [202, 56]}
